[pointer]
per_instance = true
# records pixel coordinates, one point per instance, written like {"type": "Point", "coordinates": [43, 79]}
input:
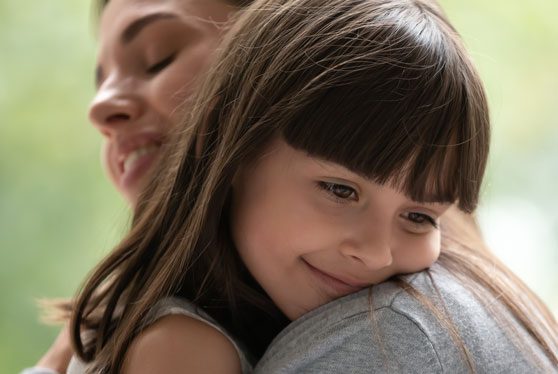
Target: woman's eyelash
{"type": "Point", "coordinates": [159, 66]}
{"type": "Point", "coordinates": [339, 192]}
{"type": "Point", "coordinates": [421, 219]}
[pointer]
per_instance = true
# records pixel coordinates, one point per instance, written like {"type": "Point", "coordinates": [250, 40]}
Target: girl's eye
{"type": "Point", "coordinates": [159, 66]}
{"type": "Point", "coordinates": [421, 219]}
{"type": "Point", "coordinates": [340, 192]}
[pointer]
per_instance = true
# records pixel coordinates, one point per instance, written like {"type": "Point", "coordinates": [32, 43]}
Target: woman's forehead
{"type": "Point", "coordinates": [117, 12]}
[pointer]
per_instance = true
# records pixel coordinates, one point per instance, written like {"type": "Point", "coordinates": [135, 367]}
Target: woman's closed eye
{"type": "Point", "coordinates": [161, 64]}
{"type": "Point", "coordinates": [338, 192]}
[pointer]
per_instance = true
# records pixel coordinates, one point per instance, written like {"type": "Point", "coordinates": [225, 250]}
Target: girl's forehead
{"type": "Point", "coordinates": [282, 161]}
{"type": "Point", "coordinates": [288, 160]}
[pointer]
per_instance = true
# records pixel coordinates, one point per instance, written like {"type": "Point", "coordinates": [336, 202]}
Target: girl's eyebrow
{"type": "Point", "coordinates": [323, 163]}
{"type": "Point", "coordinates": [134, 28]}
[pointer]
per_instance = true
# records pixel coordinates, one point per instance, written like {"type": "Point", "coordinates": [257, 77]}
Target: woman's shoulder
{"type": "Point", "coordinates": [386, 327]}
{"type": "Point", "coordinates": [343, 336]}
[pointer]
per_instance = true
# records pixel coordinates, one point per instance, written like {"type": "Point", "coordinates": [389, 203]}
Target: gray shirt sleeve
{"type": "Point", "coordinates": [354, 345]}
{"type": "Point", "coordinates": [386, 330]}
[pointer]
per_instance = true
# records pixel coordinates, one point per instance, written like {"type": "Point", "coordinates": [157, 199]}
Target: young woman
{"type": "Point", "coordinates": [141, 80]}
{"type": "Point", "coordinates": [318, 161]}
{"type": "Point", "coordinates": [151, 54]}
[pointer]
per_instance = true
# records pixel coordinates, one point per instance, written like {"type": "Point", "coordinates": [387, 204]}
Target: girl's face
{"type": "Point", "coordinates": [151, 53]}
{"type": "Point", "coordinates": [310, 231]}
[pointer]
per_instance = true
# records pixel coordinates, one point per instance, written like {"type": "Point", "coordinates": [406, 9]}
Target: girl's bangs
{"type": "Point", "coordinates": [387, 91]}
{"type": "Point", "coordinates": [425, 135]}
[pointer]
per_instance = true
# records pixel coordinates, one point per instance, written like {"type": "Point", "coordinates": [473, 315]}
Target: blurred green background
{"type": "Point", "coordinates": [58, 214]}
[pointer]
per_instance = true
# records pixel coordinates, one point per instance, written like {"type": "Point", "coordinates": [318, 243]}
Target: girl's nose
{"type": "Point", "coordinates": [111, 108]}
{"type": "Point", "coordinates": [372, 249]}
{"type": "Point", "coordinates": [372, 257]}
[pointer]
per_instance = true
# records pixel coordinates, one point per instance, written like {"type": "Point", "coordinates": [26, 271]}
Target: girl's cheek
{"type": "Point", "coordinates": [418, 253]}
{"type": "Point", "coordinates": [431, 252]}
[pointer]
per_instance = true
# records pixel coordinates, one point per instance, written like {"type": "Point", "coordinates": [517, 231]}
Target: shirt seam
{"type": "Point", "coordinates": [419, 327]}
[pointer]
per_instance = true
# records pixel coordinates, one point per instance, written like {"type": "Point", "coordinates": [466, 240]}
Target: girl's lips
{"type": "Point", "coordinates": [340, 287]}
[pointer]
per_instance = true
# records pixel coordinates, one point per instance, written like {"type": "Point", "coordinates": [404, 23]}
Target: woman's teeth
{"type": "Point", "coordinates": [138, 153]}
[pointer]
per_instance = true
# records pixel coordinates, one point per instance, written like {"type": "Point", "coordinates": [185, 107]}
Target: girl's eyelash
{"type": "Point", "coordinates": [330, 188]}
{"type": "Point", "coordinates": [421, 219]}
{"type": "Point", "coordinates": [159, 66]}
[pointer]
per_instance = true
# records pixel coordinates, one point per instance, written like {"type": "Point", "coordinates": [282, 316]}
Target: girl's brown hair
{"type": "Point", "coordinates": [383, 87]}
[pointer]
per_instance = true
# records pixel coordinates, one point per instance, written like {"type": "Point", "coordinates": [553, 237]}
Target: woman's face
{"type": "Point", "coordinates": [151, 53]}
{"type": "Point", "coordinates": [310, 231]}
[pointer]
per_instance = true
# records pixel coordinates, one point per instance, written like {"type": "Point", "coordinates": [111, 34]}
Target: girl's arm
{"type": "Point", "coordinates": [180, 344]}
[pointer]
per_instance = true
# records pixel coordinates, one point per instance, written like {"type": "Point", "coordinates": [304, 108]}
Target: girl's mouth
{"type": "Point", "coordinates": [340, 287]}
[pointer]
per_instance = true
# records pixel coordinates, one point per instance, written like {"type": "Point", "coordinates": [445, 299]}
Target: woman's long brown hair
{"type": "Point", "coordinates": [383, 87]}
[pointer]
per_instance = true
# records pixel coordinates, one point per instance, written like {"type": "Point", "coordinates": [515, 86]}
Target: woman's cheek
{"type": "Point", "coordinates": [170, 92]}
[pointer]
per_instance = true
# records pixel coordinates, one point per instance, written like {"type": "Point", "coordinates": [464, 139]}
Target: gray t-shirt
{"type": "Point", "coordinates": [386, 330]}
{"type": "Point", "coordinates": [177, 306]}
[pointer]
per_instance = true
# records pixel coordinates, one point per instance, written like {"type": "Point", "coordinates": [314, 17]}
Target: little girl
{"type": "Point", "coordinates": [319, 160]}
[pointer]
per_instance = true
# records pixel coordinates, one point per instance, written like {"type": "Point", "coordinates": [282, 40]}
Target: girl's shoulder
{"type": "Point", "coordinates": [181, 319]}
{"type": "Point", "coordinates": [181, 343]}
{"type": "Point", "coordinates": [178, 336]}
{"type": "Point", "coordinates": [386, 328]}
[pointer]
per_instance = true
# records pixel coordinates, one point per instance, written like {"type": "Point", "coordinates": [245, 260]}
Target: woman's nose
{"type": "Point", "coordinates": [113, 107]}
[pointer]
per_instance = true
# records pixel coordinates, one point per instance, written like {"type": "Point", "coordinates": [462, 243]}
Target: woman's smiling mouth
{"type": "Point", "coordinates": [133, 158]}
{"type": "Point", "coordinates": [137, 164]}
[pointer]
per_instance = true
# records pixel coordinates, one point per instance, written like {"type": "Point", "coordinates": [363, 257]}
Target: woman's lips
{"type": "Point", "coordinates": [340, 287]}
{"type": "Point", "coordinates": [137, 165]}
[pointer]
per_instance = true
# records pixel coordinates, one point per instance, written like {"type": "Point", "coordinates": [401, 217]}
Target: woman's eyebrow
{"type": "Point", "coordinates": [131, 31]}
{"type": "Point", "coordinates": [134, 28]}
